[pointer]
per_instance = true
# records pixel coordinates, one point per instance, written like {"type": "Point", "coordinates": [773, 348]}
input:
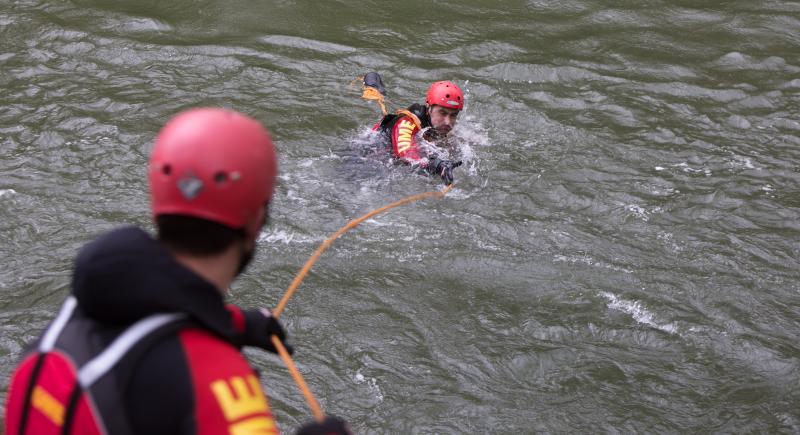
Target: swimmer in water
{"type": "Point", "coordinates": [435, 119]}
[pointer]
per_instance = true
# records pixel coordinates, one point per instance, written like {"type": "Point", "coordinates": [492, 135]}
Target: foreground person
{"type": "Point", "coordinates": [144, 344]}
{"type": "Point", "coordinates": [443, 103]}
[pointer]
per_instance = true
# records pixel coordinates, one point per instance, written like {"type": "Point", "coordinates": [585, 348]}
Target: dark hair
{"type": "Point", "coordinates": [195, 236]}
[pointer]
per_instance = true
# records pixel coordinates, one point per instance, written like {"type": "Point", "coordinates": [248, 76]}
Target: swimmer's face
{"type": "Point", "coordinates": [443, 119]}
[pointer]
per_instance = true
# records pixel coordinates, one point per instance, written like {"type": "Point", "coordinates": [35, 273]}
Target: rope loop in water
{"type": "Point", "coordinates": [319, 415]}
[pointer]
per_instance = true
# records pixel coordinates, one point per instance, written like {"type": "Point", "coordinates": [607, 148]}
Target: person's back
{"type": "Point", "coordinates": [145, 342]}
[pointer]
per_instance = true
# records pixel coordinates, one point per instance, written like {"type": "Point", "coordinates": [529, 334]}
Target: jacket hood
{"type": "Point", "coordinates": [126, 275]}
{"type": "Point", "coordinates": [422, 113]}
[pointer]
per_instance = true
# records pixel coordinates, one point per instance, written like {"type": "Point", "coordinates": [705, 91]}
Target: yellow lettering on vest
{"type": "Point", "coordinates": [403, 144]}
{"type": "Point", "coordinates": [48, 405]}
{"type": "Point", "coordinates": [404, 135]}
{"type": "Point", "coordinates": [254, 426]}
{"type": "Point", "coordinates": [405, 130]}
{"type": "Point", "coordinates": [236, 400]}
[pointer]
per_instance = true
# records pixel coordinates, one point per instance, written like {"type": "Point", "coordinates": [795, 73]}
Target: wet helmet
{"type": "Point", "coordinates": [212, 164]}
{"type": "Point", "coordinates": [445, 94]}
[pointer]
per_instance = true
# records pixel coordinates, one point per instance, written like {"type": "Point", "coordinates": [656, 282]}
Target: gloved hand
{"type": "Point", "coordinates": [260, 326]}
{"type": "Point", "coordinates": [373, 80]}
{"type": "Point", "coordinates": [443, 168]}
{"type": "Point", "coordinates": [331, 426]}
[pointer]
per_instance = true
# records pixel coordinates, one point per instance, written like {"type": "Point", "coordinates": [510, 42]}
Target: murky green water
{"type": "Point", "coordinates": [619, 255]}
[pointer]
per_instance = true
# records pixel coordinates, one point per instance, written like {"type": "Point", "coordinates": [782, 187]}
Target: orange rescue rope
{"type": "Point", "coordinates": [370, 93]}
{"type": "Point", "coordinates": [287, 359]}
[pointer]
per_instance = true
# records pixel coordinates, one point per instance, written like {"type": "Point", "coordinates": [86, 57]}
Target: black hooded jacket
{"type": "Point", "coordinates": [126, 275]}
{"type": "Point", "coordinates": [186, 380]}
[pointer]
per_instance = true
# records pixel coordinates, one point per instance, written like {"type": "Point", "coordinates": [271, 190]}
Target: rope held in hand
{"type": "Point", "coordinates": [287, 359]}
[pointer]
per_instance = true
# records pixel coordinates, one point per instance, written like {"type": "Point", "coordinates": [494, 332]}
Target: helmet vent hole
{"type": "Point", "coordinates": [166, 169]}
{"type": "Point", "coordinates": [447, 95]}
{"type": "Point", "coordinates": [220, 177]}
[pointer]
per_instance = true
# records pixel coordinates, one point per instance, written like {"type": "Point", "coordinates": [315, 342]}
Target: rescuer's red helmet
{"type": "Point", "coordinates": [212, 164]}
{"type": "Point", "coordinates": [445, 94]}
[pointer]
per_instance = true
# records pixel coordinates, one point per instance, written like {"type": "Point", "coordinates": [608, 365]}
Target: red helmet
{"type": "Point", "coordinates": [446, 94]}
{"type": "Point", "coordinates": [213, 164]}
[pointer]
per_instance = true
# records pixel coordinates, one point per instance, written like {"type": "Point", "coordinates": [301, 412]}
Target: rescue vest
{"type": "Point", "coordinates": [73, 382]}
{"type": "Point", "coordinates": [417, 113]}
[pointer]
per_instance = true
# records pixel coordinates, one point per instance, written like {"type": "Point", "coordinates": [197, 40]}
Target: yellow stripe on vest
{"type": "Point", "coordinates": [48, 405]}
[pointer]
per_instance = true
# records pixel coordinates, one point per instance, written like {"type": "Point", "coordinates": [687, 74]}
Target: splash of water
{"type": "Point", "coordinates": [638, 311]}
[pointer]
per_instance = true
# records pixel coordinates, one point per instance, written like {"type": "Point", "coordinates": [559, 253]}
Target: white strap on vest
{"type": "Point", "coordinates": [95, 368]}
{"type": "Point", "coordinates": [101, 364]}
{"type": "Point", "coordinates": [50, 337]}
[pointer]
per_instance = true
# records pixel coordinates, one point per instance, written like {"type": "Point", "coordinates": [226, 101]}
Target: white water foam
{"type": "Point", "coordinates": [639, 313]}
{"type": "Point", "coordinates": [589, 261]}
{"type": "Point", "coordinates": [9, 192]}
{"type": "Point", "coordinates": [669, 239]}
{"type": "Point", "coordinates": [685, 168]}
{"type": "Point", "coordinates": [281, 236]}
{"type": "Point", "coordinates": [742, 162]}
{"type": "Point", "coordinates": [658, 190]}
{"type": "Point", "coordinates": [372, 383]}
{"type": "Point", "coordinates": [641, 212]}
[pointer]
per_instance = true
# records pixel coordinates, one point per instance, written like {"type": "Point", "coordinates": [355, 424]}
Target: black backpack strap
{"type": "Point", "coordinates": [72, 404]}
{"type": "Point", "coordinates": [98, 366]}
{"type": "Point", "coordinates": [26, 408]}
{"type": "Point", "coordinates": [105, 376]}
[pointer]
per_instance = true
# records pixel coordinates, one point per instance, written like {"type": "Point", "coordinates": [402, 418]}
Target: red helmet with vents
{"type": "Point", "coordinates": [446, 94]}
{"type": "Point", "coordinates": [213, 164]}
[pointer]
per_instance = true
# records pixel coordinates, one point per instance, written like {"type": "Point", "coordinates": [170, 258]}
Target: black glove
{"type": "Point", "coordinates": [443, 168]}
{"type": "Point", "coordinates": [331, 426]}
{"type": "Point", "coordinates": [260, 326]}
{"type": "Point", "coordinates": [373, 80]}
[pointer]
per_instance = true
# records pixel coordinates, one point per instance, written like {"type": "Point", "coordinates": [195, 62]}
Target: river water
{"type": "Point", "coordinates": [619, 253]}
